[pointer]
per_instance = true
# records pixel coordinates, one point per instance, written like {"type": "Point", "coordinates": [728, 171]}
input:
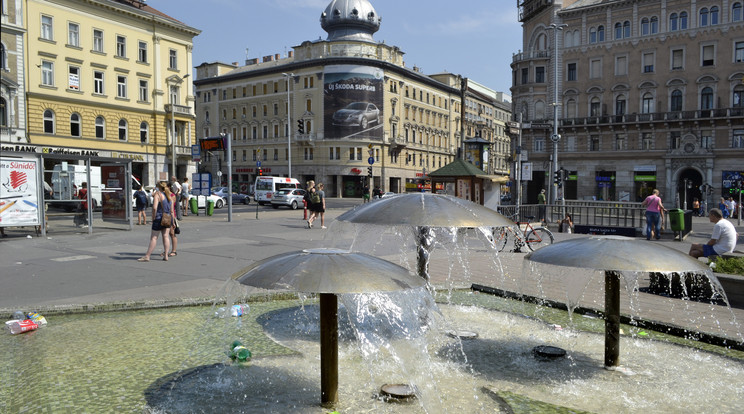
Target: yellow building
{"type": "Point", "coordinates": [110, 79]}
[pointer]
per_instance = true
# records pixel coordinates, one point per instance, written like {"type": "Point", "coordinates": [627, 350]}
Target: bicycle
{"type": "Point", "coordinates": [534, 238]}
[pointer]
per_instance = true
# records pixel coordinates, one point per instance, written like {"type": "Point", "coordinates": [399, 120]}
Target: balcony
{"type": "Point", "coordinates": [529, 55]}
{"type": "Point", "coordinates": [306, 139]}
{"type": "Point", "coordinates": [698, 115]}
{"type": "Point", "coordinates": [178, 109]}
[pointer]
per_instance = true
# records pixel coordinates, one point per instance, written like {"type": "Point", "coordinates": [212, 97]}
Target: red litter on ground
{"type": "Point", "coordinates": [18, 326]}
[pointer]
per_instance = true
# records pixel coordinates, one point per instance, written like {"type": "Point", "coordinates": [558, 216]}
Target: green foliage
{"type": "Point", "coordinates": [730, 266]}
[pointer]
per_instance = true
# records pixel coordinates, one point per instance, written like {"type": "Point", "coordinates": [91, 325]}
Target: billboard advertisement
{"type": "Point", "coordinates": [353, 102]}
{"type": "Point", "coordinates": [19, 195]}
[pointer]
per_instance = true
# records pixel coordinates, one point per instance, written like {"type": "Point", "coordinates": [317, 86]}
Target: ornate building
{"type": "Point", "coordinates": [12, 67]}
{"type": "Point", "coordinates": [353, 107]}
{"type": "Point", "coordinates": [110, 78]}
{"type": "Point", "coordinates": [649, 96]}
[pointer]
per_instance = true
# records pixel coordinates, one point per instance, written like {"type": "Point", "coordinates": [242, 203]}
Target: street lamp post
{"type": "Point", "coordinates": [173, 126]}
{"type": "Point", "coordinates": [555, 138]}
{"type": "Point", "coordinates": [289, 127]}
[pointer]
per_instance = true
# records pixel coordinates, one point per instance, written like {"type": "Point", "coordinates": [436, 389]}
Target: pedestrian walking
{"type": "Point", "coordinates": [308, 198]}
{"type": "Point", "coordinates": [140, 204]}
{"type": "Point", "coordinates": [654, 214]}
{"type": "Point", "coordinates": [176, 189]}
{"type": "Point", "coordinates": [81, 218]}
{"type": "Point", "coordinates": [365, 193]}
{"type": "Point", "coordinates": [174, 229]}
{"type": "Point", "coordinates": [161, 205]}
{"type": "Point", "coordinates": [185, 193]}
{"type": "Point", "coordinates": [541, 201]}
{"type": "Point", "coordinates": [321, 206]}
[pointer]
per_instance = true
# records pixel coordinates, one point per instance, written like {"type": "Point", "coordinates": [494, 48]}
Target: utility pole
{"type": "Point", "coordinates": [555, 138]}
{"type": "Point", "coordinates": [289, 127]}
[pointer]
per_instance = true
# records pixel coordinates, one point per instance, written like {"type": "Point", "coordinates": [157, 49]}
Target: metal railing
{"type": "Point", "coordinates": [590, 213]}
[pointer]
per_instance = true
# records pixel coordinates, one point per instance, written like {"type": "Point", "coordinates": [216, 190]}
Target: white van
{"type": "Point", "coordinates": [265, 187]}
{"type": "Point", "coordinates": [67, 180]}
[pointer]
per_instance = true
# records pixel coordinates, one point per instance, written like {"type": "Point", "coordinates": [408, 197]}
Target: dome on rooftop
{"type": "Point", "coordinates": [350, 20]}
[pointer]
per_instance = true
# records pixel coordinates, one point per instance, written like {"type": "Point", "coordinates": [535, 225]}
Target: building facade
{"type": "Point", "coordinates": [649, 96]}
{"type": "Point", "coordinates": [110, 79]}
{"type": "Point", "coordinates": [12, 67]}
{"type": "Point", "coordinates": [354, 108]}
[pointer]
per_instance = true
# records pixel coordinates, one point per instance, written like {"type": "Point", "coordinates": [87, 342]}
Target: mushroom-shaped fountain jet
{"type": "Point", "coordinates": [615, 254]}
{"type": "Point", "coordinates": [424, 211]}
{"type": "Point", "coordinates": [328, 272]}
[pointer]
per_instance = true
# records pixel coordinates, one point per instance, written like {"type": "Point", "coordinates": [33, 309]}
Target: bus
{"type": "Point", "coordinates": [265, 187]}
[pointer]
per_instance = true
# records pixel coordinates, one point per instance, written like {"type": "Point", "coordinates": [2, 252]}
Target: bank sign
{"type": "Point", "coordinates": [353, 106]}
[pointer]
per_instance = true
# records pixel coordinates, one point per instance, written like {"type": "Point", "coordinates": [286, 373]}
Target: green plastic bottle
{"type": "Point", "coordinates": [240, 352]}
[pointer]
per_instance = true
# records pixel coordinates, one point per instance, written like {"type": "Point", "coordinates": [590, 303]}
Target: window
{"type": "Point", "coordinates": [121, 86]}
{"type": "Point", "coordinates": [334, 153]}
{"type": "Point", "coordinates": [98, 83]}
{"type": "Point", "coordinates": [540, 74]}
{"type": "Point", "coordinates": [73, 78]}
{"type": "Point", "coordinates": [47, 28]}
{"type": "Point", "coordinates": [706, 98]}
{"type": "Point", "coordinates": [75, 125]}
{"type": "Point", "coordinates": [647, 141]}
{"type": "Point", "coordinates": [595, 68]}
{"type": "Point", "coordinates": [98, 40]}
{"type": "Point", "coordinates": [100, 127]}
{"type": "Point", "coordinates": [645, 27]}
{"type": "Point", "coordinates": [593, 35]}
{"type": "Point", "coordinates": [714, 15]}
{"type": "Point", "coordinates": [620, 105]}
{"type": "Point", "coordinates": [648, 62]}
{"type": "Point", "coordinates": [122, 130]}
{"type": "Point", "coordinates": [3, 57]}
{"type": "Point", "coordinates": [539, 144]}
{"type": "Point", "coordinates": [121, 46]}
{"type": "Point", "coordinates": [678, 59]}
{"type": "Point", "coordinates": [73, 34]}
{"type": "Point", "coordinates": [703, 17]}
{"type": "Point", "coordinates": [173, 59]}
{"type": "Point", "coordinates": [143, 90]}
{"type": "Point", "coordinates": [621, 66]}
{"type": "Point", "coordinates": [618, 31]}
{"type": "Point", "coordinates": [594, 143]}
{"type": "Point", "coordinates": [47, 73]}
{"type": "Point", "coordinates": [708, 55]}
{"type": "Point", "coordinates": [308, 154]}
{"type": "Point", "coordinates": [48, 121]}
{"type": "Point", "coordinates": [525, 76]}
{"type": "Point", "coordinates": [600, 34]}
{"type": "Point", "coordinates": [571, 72]}
{"type": "Point", "coordinates": [620, 142]}
{"type": "Point", "coordinates": [654, 25]}
{"type": "Point", "coordinates": [676, 102]}
{"type": "Point", "coordinates": [738, 139]}
{"type": "Point", "coordinates": [736, 12]}
{"type": "Point", "coordinates": [647, 103]}
{"type": "Point", "coordinates": [142, 52]}
{"type": "Point", "coordinates": [675, 139]}
{"type": "Point", "coordinates": [594, 107]}
{"type": "Point", "coordinates": [739, 52]}
{"type": "Point", "coordinates": [706, 140]}
{"type": "Point", "coordinates": [683, 21]}
{"type": "Point", "coordinates": [738, 98]}
{"type": "Point", "coordinates": [309, 105]}
{"type": "Point", "coordinates": [673, 22]}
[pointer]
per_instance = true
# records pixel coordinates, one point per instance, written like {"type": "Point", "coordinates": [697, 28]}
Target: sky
{"type": "Point", "coordinates": [473, 38]}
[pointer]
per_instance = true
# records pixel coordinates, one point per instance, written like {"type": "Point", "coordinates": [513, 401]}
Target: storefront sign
{"type": "Point", "coordinates": [645, 178]}
{"type": "Point", "coordinates": [356, 171]}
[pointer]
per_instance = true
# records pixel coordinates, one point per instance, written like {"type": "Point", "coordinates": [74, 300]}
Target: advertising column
{"type": "Point", "coordinates": [19, 192]}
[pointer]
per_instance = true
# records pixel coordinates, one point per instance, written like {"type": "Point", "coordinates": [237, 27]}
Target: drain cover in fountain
{"type": "Point", "coordinates": [548, 352]}
{"type": "Point", "coordinates": [398, 391]}
{"type": "Point", "coordinates": [463, 334]}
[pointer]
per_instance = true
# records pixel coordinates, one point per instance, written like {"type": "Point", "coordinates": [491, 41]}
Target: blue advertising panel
{"type": "Point", "coordinates": [201, 184]}
{"type": "Point", "coordinates": [353, 102]}
{"type": "Point", "coordinates": [730, 181]}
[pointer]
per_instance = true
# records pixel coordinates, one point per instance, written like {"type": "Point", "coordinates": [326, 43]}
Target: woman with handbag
{"type": "Point", "coordinates": [174, 229]}
{"type": "Point", "coordinates": [162, 220]}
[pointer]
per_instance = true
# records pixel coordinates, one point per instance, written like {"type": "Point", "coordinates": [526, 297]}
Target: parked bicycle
{"type": "Point", "coordinates": [522, 233]}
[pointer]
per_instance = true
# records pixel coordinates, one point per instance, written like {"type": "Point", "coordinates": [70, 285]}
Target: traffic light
{"type": "Point", "coordinates": [369, 171]}
{"type": "Point", "coordinates": [260, 171]}
{"type": "Point", "coordinates": [557, 178]}
{"type": "Point", "coordinates": [300, 126]}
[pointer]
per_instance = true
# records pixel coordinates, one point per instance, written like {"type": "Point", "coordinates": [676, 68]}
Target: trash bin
{"type": "Point", "coordinates": [210, 207]}
{"type": "Point", "coordinates": [676, 219]}
{"type": "Point", "coordinates": [194, 206]}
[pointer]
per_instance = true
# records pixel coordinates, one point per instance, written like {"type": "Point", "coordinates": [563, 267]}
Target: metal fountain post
{"type": "Point", "coordinates": [612, 319]}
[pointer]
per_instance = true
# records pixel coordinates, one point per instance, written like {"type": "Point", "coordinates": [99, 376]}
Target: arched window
{"type": "Point", "coordinates": [736, 12]}
{"type": "Point", "coordinates": [541, 42]}
{"type": "Point", "coordinates": [592, 35]}
{"type": "Point", "coordinates": [618, 30]}
{"type": "Point", "coordinates": [122, 130]}
{"type": "Point", "coordinates": [144, 132]}
{"type": "Point", "coordinates": [594, 107]}
{"type": "Point", "coordinates": [738, 98]}
{"type": "Point", "coordinates": [571, 108]}
{"type": "Point", "coordinates": [75, 125]}
{"type": "Point", "coordinates": [706, 98]}
{"type": "Point", "coordinates": [626, 29]}
{"type": "Point", "coordinates": [703, 17]}
{"type": "Point", "coordinates": [48, 122]}
{"type": "Point", "coordinates": [206, 116]}
{"type": "Point", "coordinates": [600, 34]}
{"type": "Point", "coordinates": [539, 110]}
{"type": "Point", "coordinates": [620, 105]}
{"type": "Point", "coordinates": [683, 21]}
{"type": "Point", "coordinates": [645, 27]}
{"type": "Point", "coordinates": [654, 25]}
{"type": "Point", "coordinates": [673, 22]}
{"type": "Point", "coordinates": [3, 112]}
{"type": "Point", "coordinates": [676, 103]}
{"type": "Point", "coordinates": [714, 15]}
{"type": "Point", "coordinates": [100, 127]}
{"type": "Point", "coordinates": [647, 104]}
{"type": "Point", "coordinates": [568, 39]}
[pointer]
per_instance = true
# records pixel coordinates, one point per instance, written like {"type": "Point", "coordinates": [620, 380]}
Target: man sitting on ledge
{"type": "Point", "coordinates": [722, 241]}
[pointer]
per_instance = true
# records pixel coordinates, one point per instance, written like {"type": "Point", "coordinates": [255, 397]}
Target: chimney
{"type": "Point", "coordinates": [268, 58]}
{"type": "Point", "coordinates": [235, 63]}
{"type": "Point", "coordinates": [290, 53]}
{"type": "Point", "coordinates": [276, 56]}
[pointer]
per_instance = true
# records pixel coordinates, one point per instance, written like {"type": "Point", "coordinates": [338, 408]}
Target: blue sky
{"type": "Point", "coordinates": [475, 38]}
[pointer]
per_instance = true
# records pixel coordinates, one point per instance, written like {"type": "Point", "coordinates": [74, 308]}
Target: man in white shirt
{"type": "Point", "coordinates": [176, 189]}
{"type": "Point", "coordinates": [722, 241]}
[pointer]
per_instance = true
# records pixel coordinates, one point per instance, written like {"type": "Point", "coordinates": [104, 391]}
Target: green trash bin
{"type": "Point", "coordinates": [194, 205]}
{"type": "Point", "coordinates": [676, 219]}
{"type": "Point", "coordinates": [210, 207]}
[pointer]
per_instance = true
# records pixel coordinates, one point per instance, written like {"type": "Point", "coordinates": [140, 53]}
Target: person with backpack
{"type": "Point", "coordinates": [140, 203]}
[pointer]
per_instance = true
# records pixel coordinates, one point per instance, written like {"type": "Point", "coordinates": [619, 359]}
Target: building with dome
{"type": "Point", "coordinates": [650, 94]}
{"type": "Point", "coordinates": [339, 110]}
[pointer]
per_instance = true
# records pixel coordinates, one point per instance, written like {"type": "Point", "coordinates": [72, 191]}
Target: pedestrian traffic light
{"type": "Point", "coordinates": [369, 171]}
{"type": "Point", "coordinates": [557, 178]}
{"type": "Point", "coordinates": [300, 126]}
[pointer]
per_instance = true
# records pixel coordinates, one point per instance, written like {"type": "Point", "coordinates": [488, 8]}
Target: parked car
{"type": "Point", "coordinates": [359, 114]}
{"type": "Point", "coordinates": [237, 198]}
{"type": "Point", "coordinates": [219, 202]}
{"type": "Point", "coordinates": [288, 197]}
